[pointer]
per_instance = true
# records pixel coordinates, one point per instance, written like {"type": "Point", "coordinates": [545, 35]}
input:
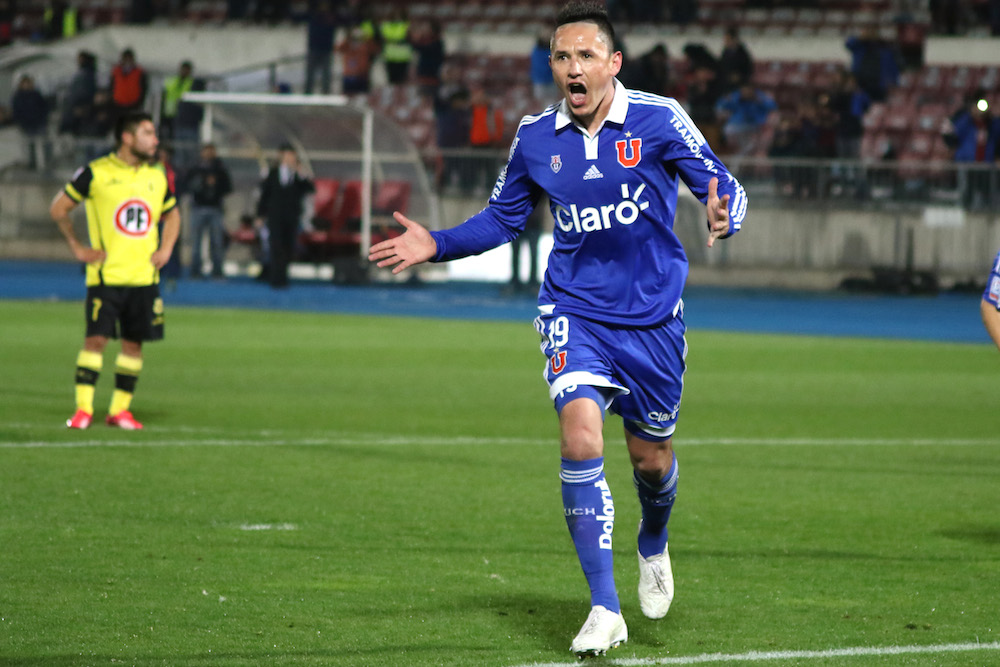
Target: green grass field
{"type": "Point", "coordinates": [337, 490]}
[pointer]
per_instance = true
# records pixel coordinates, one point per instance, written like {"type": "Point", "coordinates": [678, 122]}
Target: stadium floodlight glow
{"type": "Point", "coordinates": [983, 105]}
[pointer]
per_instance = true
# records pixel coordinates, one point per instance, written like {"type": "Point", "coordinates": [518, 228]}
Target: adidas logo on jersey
{"type": "Point", "coordinates": [592, 173]}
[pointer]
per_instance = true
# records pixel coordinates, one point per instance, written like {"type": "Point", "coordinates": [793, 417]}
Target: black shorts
{"type": "Point", "coordinates": [132, 313]}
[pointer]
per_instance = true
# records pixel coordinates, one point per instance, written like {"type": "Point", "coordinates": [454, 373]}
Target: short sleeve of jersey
{"type": "Point", "coordinates": [992, 293]}
{"type": "Point", "coordinates": [169, 198]}
{"type": "Point", "coordinates": [78, 188]}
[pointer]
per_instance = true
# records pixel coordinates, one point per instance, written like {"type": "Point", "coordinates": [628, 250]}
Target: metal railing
{"type": "Point", "coordinates": [851, 184]}
{"type": "Point", "coordinates": [837, 217]}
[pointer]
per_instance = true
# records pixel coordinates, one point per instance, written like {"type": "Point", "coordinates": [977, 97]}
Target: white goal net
{"type": "Point", "coordinates": [365, 165]}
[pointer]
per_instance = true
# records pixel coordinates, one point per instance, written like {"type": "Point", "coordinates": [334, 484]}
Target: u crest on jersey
{"type": "Point", "coordinates": [558, 362]}
{"type": "Point", "coordinates": [629, 152]}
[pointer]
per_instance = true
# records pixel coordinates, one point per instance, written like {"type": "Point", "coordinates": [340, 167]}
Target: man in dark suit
{"type": "Point", "coordinates": [282, 193]}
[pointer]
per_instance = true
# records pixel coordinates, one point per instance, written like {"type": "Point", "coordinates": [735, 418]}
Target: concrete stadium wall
{"type": "Point", "coordinates": [779, 247]}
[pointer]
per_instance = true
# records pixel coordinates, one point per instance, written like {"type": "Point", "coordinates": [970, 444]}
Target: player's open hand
{"type": "Point", "coordinates": [718, 212]}
{"type": "Point", "coordinates": [414, 246]}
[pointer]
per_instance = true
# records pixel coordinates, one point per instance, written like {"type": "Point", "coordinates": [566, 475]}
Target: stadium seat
{"type": "Point", "coordinates": [349, 212]}
{"type": "Point", "coordinates": [899, 121]}
{"type": "Point", "coordinates": [391, 196]}
{"type": "Point", "coordinates": [874, 145]}
{"type": "Point", "coordinates": [990, 80]}
{"type": "Point", "coordinates": [930, 117]}
{"type": "Point", "coordinates": [921, 144]}
{"type": "Point", "coordinates": [421, 10]}
{"type": "Point", "coordinates": [873, 119]}
{"type": "Point", "coordinates": [931, 81]}
{"type": "Point", "coordinates": [768, 75]}
{"type": "Point", "coordinates": [315, 241]}
{"type": "Point", "coordinates": [421, 133]}
{"type": "Point", "coordinates": [325, 198]}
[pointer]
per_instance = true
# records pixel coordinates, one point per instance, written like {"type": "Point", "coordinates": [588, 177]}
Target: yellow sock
{"type": "Point", "coordinates": [126, 375]}
{"type": "Point", "coordinates": [88, 367]}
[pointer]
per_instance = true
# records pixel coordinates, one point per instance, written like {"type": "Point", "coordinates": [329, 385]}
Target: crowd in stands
{"type": "Point", "coordinates": [462, 102]}
{"type": "Point", "coordinates": [47, 19]}
{"type": "Point", "coordinates": [463, 109]}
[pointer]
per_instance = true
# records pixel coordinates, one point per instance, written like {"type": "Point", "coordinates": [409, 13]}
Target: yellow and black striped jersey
{"type": "Point", "coordinates": [124, 205]}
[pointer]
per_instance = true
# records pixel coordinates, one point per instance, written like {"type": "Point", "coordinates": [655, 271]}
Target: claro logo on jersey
{"type": "Point", "coordinates": [596, 218]}
{"type": "Point", "coordinates": [133, 218]}
{"type": "Point", "coordinates": [664, 415]}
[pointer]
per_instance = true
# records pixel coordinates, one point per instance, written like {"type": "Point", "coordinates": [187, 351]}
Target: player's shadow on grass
{"type": "Point", "coordinates": [979, 534]}
{"type": "Point", "coordinates": [549, 624]}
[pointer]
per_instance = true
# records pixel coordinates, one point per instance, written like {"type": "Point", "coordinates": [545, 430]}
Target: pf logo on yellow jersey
{"type": "Point", "coordinates": [133, 218]}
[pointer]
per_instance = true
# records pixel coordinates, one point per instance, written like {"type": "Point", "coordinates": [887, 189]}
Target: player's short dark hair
{"type": "Point", "coordinates": [589, 12]}
{"type": "Point", "coordinates": [128, 122]}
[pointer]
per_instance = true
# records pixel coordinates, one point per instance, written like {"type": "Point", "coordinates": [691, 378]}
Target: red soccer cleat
{"type": "Point", "coordinates": [80, 420]}
{"type": "Point", "coordinates": [124, 420]}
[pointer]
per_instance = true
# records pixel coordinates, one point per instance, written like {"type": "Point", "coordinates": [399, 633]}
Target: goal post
{"type": "Point", "coordinates": [336, 137]}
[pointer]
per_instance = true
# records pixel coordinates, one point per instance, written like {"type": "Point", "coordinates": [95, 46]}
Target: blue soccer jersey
{"type": "Point", "coordinates": [992, 293]}
{"type": "Point", "coordinates": [615, 259]}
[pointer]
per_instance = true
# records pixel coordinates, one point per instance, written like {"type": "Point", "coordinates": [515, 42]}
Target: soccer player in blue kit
{"type": "Point", "coordinates": [610, 160]}
{"type": "Point", "coordinates": [989, 307]}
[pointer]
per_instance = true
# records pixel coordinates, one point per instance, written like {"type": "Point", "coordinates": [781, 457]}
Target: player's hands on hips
{"type": "Point", "coordinates": [414, 246]}
{"type": "Point", "coordinates": [718, 212]}
{"type": "Point", "coordinates": [159, 258]}
{"type": "Point", "coordinates": [88, 255]}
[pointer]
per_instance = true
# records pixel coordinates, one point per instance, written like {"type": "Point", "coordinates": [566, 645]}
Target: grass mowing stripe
{"type": "Point", "coordinates": [452, 441]}
{"type": "Point", "coordinates": [771, 656]}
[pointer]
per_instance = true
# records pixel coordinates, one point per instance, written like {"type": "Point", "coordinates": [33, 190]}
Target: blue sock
{"type": "Point", "coordinates": [656, 500]}
{"type": "Point", "coordinates": [590, 516]}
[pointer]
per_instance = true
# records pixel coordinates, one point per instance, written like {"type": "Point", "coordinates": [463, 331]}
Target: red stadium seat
{"type": "Point", "coordinates": [350, 205]}
{"type": "Point", "coordinates": [391, 196]}
{"type": "Point", "coordinates": [325, 198]}
{"type": "Point", "coordinates": [873, 119]}
{"type": "Point", "coordinates": [921, 144]}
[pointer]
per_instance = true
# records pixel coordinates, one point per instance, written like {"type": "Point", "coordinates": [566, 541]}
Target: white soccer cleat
{"type": "Point", "coordinates": [656, 584]}
{"type": "Point", "coordinates": [602, 630]}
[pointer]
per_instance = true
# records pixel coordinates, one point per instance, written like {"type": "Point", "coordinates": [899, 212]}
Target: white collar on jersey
{"type": "Point", "coordinates": [616, 114]}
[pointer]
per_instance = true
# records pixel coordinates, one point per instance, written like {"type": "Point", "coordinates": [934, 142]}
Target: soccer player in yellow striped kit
{"type": "Point", "coordinates": [125, 197]}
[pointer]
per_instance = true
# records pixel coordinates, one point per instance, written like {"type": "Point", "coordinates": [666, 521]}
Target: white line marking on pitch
{"type": "Point", "coordinates": [768, 656]}
{"type": "Point", "coordinates": [268, 526]}
{"type": "Point", "coordinates": [276, 440]}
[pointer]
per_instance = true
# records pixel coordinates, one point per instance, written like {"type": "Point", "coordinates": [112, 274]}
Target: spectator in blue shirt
{"type": "Point", "coordinates": [542, 85]}
{"type": "Point", "coordinates": [320, 30]}
{"type": "Point", "coordinates": [743, 113]}
{"type": "Point", "coordinates": [974, 133]}
{"type": "Point", "coordinates": [873, 63]}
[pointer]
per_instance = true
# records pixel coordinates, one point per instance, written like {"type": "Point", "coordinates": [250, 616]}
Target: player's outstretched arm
{"type": "Point", "coordinates": [718, 212]}
{"type": "Point", "coordinates": [991, 318]}
{"type": "Point", "coordinates": [414, 246]}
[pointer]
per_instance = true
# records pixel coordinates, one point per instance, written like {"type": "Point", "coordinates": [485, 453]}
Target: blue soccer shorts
{"type": "Point", "coordinates": [639, 371]}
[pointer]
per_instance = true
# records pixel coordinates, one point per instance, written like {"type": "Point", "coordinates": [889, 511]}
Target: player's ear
{"type": "Point", "coordinates": [616, 63]}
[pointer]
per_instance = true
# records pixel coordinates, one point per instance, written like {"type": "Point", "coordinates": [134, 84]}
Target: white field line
{"type": "Point", "coordinates": [772, 656]}
{"type": "Point", "coordinates": [275, 438]}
